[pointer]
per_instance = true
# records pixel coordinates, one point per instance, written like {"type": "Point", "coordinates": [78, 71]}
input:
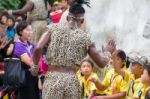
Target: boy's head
{"type": "Point", "coordinates": [119, 58]}
{"type": "Point", "coordinates": [10, 21]}
{"type": "Point", "coordinates": [145, 78]}
{"type": "Point", "coordinates": [137, 67]}
{"type": "Point", "coordinates": [86, 67]}
{"type": "Point", "coordinates": [138, 63]}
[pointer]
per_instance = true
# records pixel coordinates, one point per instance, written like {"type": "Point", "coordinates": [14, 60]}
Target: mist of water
{"type": "Point", "coordinates": [126, 21]}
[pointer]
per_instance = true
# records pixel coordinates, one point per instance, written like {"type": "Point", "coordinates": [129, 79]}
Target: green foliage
{"type": "Point", "coordinates": [11, 4]}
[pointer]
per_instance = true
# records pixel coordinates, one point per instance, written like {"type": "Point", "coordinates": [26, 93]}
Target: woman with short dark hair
{"type": "Point", "coordinates": [23, 49]}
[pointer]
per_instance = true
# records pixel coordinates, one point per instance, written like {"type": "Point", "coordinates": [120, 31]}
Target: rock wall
{"type": "Point", "coordinates": [126, 21]}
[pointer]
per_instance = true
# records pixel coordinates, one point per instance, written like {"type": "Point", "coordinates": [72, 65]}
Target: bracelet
{"type": "Point", "coordinates": [34, 69]}
{"type": "Point", "coordinates": [10, 12]}
{"type": "Point", "coordinates": [34, 65]}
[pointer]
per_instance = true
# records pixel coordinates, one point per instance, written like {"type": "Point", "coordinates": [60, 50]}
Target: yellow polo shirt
{"type": "Point", "coordinates": [88, 85]}
{"type": "Point", "coordinates": [115, 82]}
{"type": "Point", "coordinates": [141, 92]}
{"type": "Point", "coordinates": [133, 87]}
{"type": "Point", "coordinates": [80, 77]}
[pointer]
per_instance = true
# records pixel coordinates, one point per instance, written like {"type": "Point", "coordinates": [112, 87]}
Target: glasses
{"type": "Point", "coordinates": [75, 18]}
{"type": "Point", "coordinates": [142, 60]}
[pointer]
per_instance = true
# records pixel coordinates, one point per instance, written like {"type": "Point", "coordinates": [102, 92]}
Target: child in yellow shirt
{"type": "Point", "coordinates": [137, 69]}
{"type": "Point", "coordinates": [145, 80]}
{"type": "Point", "coordinates": [116, 80]}
{"type": "Point", "coordinates": [86, 72]}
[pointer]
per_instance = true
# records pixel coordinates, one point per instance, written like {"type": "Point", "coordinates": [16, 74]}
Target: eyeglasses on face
{"type": "Point", "coordinates": [75, 18]}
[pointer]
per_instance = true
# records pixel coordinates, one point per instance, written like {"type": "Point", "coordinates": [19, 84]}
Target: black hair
{"type": "Point", "coordinates": [81, 2]}
{"type": "Point", "coordinates": [89, 61]}
{"type": "Point", "coordinates": [11, 18]}
{"type": "Point", "coordinates": [13, 22]}
{"type": "Point", "coordinates": [77, 8]}
{"type": "Point", "coordinates": [122, 55]}
{"type": "Point", "coordinates": [21, 26]}
{"type": "Point", "coordinates": [128, 62]}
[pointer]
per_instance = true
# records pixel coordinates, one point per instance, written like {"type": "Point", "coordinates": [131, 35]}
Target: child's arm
{"type": "Point", "coordinates": [10, 49]}
{"type": "Point", "coordinates": [98, 84]}
{"type": "Point", "coordinates": [114, 96]}
{"type": "Point", "coordinates": [91, 94]}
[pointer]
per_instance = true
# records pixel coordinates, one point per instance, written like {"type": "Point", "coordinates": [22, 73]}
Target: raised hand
{"type": "Point", "coordinates": [110, 47]}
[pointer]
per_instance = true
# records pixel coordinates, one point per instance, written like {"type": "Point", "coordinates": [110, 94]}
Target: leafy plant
{"type": "Point", "coordinates": [11, 4]}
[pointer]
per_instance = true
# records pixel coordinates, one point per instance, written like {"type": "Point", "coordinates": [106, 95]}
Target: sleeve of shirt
{"type": "Point", "coordinates": [106, 81]}
{"type": "Point", "coordinates": [19, 50]}
{"type": "Point", "coordinates": [92, 86]}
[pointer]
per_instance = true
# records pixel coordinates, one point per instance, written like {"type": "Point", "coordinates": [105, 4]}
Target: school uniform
{"type": "Point", "coordinates": [115, 82]}
{"type": "Point", "coordinates": [141, 92]}
{"type": "Point", "coordinates": [132, 87]}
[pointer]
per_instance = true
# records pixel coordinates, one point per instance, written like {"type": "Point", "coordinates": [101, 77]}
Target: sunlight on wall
{"type": "Point", "coordinates": [124, 20]}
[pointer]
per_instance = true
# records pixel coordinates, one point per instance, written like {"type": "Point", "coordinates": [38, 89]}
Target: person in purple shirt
{"type": "Point", "coordinates": [23, 50]}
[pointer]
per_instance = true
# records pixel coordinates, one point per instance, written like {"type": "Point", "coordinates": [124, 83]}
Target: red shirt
{"type": "Point", "coordinates": [55, 17]}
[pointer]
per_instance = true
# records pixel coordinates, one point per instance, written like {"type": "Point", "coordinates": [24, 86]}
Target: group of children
{"type": "Point", "coordinates": [123, 81]}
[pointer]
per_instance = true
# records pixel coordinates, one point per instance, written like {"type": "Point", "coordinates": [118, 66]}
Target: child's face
{"type": "Point", "coordinates": [4, 19]}
{"type": "Point", "coordinates": [9, 22]}
{"type": "Point", "coordinates": [86, 68]}
{"type": "Point", "coordinates": [145, 78]}
{"type": "Point", "coordinates": [137, 69]}
{"type": "Point", "coordinates": [117, 61]}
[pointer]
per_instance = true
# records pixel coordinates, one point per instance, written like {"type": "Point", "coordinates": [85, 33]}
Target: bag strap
{"type": "Point", "coordinates": [11, 58]}
{"type": "Point", "coordinates": [140, 93]}
{"type": "Point", "coordinates": [131, 86]}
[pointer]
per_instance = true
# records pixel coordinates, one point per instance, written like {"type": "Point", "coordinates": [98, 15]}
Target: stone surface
{"type": "Point", "coordinates": [126, 21]}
